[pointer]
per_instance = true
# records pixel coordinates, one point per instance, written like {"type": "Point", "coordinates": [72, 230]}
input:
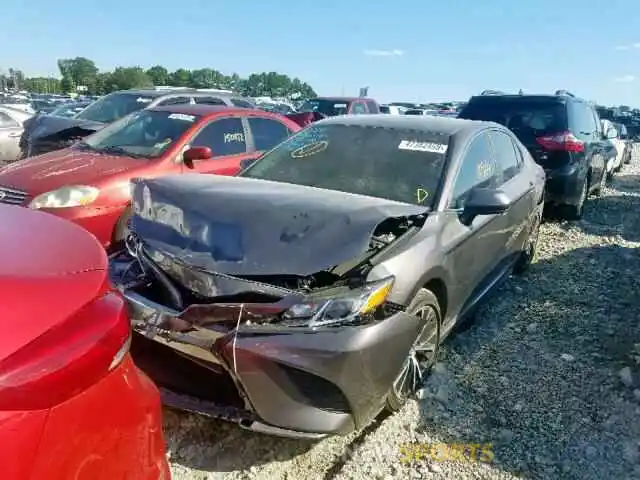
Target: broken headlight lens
{"type": "Point", "coordinates": [341, 309]}
{"type": "Point", "coordinates": [65, 197]}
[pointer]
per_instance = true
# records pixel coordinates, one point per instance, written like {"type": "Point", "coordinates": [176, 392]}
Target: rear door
{"type": "Point", "coordinates": [265, 133]}
{"type": "Point", "coordinates": [518, 182]}
{"type": "Point", "coordinates": [227, 139]}
{"type": "Point", "coordinates": [597, 148]}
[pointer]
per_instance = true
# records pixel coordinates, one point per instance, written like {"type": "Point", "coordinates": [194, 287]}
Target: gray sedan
{"type": "Point", "coordinates": [313, 290]}
{"type": "Point", "coordinates": [11, 128]}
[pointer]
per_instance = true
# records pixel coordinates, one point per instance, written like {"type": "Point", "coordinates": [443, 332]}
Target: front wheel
{"type": "Point", "coordinates": [423, 353]}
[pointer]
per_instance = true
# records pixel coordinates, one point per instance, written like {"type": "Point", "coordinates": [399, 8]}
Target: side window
{"type": "Point", "coordinates": [6, 121]}
{"type": "Point", "coordinates": [224, 137]}
{"type": "Point", "coordinates": [507, 159]}
{"type": "Point", "coordinates": [175, 101]}
{"type": "Point", "coordinates": [267, 133]}
{"type": "Point", "coordinates": [209, 101]}
{"type": "Point", "coordinates": [238, 102]}
{"type": "Point", "coordinates": [373, 107]}
{"type": "Point", "coordinates": [584, 124]}
{"type": "Point", "coordinates": [478, 169]}
{"type": "Point", "coordinates": [358, 108]}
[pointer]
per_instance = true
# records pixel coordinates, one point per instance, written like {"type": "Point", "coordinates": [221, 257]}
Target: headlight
{"type": "Point", "coordinates": [351, 307]}
{"type": "Point", "coordinates": [71, 196]}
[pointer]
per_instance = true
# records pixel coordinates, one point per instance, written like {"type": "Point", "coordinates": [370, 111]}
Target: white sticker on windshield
{"type": "Point", "coordinates": [143, 100]}
{"type": "Point", "coordinates": [423, 146]}
{"type": "Point", "coordinates": [339, 105]}
{"type": "Point", "coordinates": [182, 116]}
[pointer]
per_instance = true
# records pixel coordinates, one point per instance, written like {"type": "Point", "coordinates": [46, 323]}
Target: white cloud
{"type": "Point", "coordinates": [625, 79]}
{"type": "Point", "coordinates": [629, 46]}
{"type": "Point", "coordinates": [384, 53]}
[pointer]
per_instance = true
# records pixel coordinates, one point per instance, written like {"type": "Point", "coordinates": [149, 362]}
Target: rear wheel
{"type": "Point", "coordinates": [575, 212]}
{"type": "Point", "coordinates": [531, 248]}
{"type": "Point", "coordinates": [423, 353]}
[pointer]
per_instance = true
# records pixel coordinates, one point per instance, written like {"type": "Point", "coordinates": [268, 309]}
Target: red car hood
{"type": "Point", "coordinates": [70, 166]}
{"type": "Point", "coordinates": [50, 268]}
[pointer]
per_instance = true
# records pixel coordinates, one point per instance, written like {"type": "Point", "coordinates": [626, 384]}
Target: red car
{"type": "Point", "coordinates": [88, 183]}
{"type": "Point", "coordinates": [72, 403]}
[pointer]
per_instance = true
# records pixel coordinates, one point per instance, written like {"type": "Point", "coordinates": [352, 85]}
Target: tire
{"type": "Point", "coordinates": [601, 186]}
{"type": "Point", "coordinates": [425, 304]}
{"type": "Point", "coordinates": [530, 252]}
{"type": "Point", "coordinates": [575, 212]}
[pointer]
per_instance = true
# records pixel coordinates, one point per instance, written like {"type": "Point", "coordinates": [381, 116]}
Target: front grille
{"type": "Point", "coordinates": [12, 196]}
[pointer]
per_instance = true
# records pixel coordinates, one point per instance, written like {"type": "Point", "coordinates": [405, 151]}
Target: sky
{"type": "Point", "coordinates": [404, 50]}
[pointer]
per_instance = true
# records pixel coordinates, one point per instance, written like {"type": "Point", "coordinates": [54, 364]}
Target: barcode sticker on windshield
{"type": "Point", "coordinates": [422, 146]}
{"type": "Point", "coordinates": [182, 116]}
{"type": "Point", "coordinates": [340, 105]}
{"type": "Point", "coordinates": [143, 100]}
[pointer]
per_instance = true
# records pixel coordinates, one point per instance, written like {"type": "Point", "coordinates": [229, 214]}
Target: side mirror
{"type": "Point", "coordinates": [196, 153]}
{"type": "Point", "coordinates": [484, 201]}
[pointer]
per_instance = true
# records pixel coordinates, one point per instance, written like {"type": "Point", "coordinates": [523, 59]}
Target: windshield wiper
{"type": "Point", "coordinates": [120, 151]}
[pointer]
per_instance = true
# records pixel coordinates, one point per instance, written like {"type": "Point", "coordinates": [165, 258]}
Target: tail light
{"type": "Point", "coordinates": [68, 358]}
{"type": "Point", "coordinates": [564, 141]}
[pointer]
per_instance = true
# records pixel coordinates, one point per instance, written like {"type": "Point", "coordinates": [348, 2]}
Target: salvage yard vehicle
{"type": "Point", "coordinates": [12, 123]}
{"type": "Point", "coordinates": [614, 148]}
{"type": "Point", "coordinates": [72, 403]}
{"type": "Point", "coordinates": [50, 133]}
{"type": "Point", "coordinates": [332, 106]}
{"type": "Point", "coordinates": [563, 134]}
{"type": "Point", "coordinates": [88, 183]}
{"type": "Point", "coordinates": [312, 290]}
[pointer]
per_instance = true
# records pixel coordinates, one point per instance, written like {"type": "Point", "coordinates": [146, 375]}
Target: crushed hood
{"type": "Point", "coordinates": [243, 226]}
{"type": "Point", "coordinates": [46, 126]}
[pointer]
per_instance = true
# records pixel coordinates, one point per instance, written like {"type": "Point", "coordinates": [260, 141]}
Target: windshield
{"type": "Point", "coordinates": [397, 164]}
{"type": "Point", "coordinates": [145, 134]}
{"type": "Point", "coordinates": [330, 108]}
{"type": "Point", "coordinates": [68, 110]}
{"type": "Point", "coordinates": [114, 106]}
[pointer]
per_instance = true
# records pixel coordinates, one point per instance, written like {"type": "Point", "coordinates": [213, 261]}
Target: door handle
{"type": "Point", "coordinates": [14, 135]}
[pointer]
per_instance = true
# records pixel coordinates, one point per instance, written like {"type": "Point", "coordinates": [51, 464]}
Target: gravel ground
{"type": "Point", "coordinates": [548, 374]}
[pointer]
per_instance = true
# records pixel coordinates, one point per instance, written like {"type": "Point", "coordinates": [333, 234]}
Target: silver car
{"type": "Point", "coordinates": [11, 128]}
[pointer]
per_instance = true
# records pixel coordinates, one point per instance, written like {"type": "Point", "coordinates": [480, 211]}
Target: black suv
{"type": "Point", "coordinates": [563, 134]}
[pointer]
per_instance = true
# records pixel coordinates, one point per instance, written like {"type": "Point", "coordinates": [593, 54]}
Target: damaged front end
{"type": "Point", "coordinates": [291, 354]}
{"type": "Point", "coordinates": [49, 134]}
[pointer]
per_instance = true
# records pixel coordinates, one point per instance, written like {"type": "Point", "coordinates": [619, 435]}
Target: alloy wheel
{"type": "Point", "coordinates": [422, 356]}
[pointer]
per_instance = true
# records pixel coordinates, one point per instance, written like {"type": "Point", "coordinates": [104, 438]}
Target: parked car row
{"type": "Point", "coordinates": [257, 269]}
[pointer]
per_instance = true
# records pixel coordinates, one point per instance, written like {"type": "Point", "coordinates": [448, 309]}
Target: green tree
{"type": "Point", "coordinates": [80, 70]}
{"type": "Point", "coordinates": [66, 84]}
{"type": "Point", "coordinates": [124, 78]}
{"type": "Point", "coordinates": [158, 75]}
{"type": "Point", "coordinates": [83, 71]}
{"type": "Point", "coordinates": [180, 78]}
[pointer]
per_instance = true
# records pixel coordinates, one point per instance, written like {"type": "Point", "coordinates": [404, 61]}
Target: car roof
{"type": "Point", "coordinates": [515, 96]}
{"type": "Point", "coordinates": [188, 91]}
{"type": "Point", "coordinates": [426, 123]}
{"type": "Point", "coordinates": [204, 110]}
{"type": "Point", "coordinates": [343, 99]}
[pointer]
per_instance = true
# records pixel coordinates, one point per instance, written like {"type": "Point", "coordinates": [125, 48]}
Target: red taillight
{"type": "Point", "coordinates": [564, 141]}
{"type": "Point", "coordinates": [68, 358]}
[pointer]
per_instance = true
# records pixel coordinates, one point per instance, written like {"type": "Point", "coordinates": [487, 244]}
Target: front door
{"type": "Point", "coordinates": [226, 137]}
{"type": "Point", "coordinates": [473, 251]}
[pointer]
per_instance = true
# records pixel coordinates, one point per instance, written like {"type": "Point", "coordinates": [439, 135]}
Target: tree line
{"type": "Point", "coordinates": [81, 75]}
